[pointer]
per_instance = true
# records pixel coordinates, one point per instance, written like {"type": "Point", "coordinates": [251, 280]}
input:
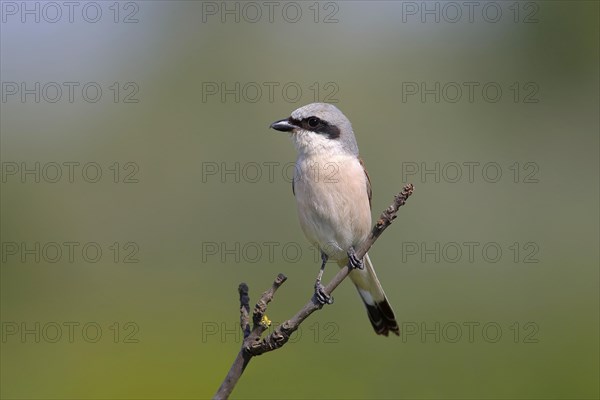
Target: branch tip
{"type": "Point", "coordinates": [243, 289]}
{"type": "Point", "coordinates": [280, 279]}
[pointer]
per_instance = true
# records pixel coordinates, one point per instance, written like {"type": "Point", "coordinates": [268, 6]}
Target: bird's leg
{"type": "Point", "coordinates": [320, 295]}
{"type": "Point", "coordinates": [354, 261]}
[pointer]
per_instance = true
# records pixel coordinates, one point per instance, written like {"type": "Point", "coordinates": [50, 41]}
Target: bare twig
{"type": "Point", "coordinates": [253, 345]}
{"type": "Point", "coordinates": [261, 305]}
{"type": "Point", "coordinates": [260, 325]}
{"type": "Point", "coordinates": [244, 309]}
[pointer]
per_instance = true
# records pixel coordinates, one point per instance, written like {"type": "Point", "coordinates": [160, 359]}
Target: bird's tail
{"type": "Point", "coordinates": [380, 312]}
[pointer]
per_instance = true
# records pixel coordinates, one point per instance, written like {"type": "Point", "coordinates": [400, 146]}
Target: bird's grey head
{"type": "Point", "coordinates": [317, 128]}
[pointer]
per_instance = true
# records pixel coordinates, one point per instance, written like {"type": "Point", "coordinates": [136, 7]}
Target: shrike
{"type": "Point", "coordinates": [333, 195]}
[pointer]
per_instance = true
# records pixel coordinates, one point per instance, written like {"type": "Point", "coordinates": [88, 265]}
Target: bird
{"type": "Point", "coordinates": [333, 197]}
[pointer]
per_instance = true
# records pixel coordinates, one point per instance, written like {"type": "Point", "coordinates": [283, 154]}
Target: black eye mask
{"type": "Point", "coordinates": [317, 125]}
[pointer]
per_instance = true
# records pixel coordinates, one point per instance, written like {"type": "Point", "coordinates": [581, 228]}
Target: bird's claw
{"type": "Point", "coordinates": [355, 262]}
{"type": "Point", "coordinates": [320, 295]}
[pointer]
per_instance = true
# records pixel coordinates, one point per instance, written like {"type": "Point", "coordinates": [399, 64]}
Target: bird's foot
{"type": "Point", "coordinates": [320, 295]}
{"type": "Point", "coordinates": [355, 262]}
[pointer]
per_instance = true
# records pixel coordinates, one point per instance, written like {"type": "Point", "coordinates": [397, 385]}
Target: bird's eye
{"type": "Point", "coordinates": [313, 122]}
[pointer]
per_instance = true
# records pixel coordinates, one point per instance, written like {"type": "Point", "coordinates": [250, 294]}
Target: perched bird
{"type": "Point", "coordinates": [333, 197]}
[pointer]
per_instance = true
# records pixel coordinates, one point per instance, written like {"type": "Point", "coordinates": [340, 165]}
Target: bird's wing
{"type": "Point", "coordinates": [369, 192]}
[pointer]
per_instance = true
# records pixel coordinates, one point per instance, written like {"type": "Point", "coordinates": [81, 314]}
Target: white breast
{"type": "Point", "coordinates": [333, 204]}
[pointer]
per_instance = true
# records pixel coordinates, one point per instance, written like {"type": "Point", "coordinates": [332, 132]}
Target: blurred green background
{"type": "Point", "coordinates": [180, 221]}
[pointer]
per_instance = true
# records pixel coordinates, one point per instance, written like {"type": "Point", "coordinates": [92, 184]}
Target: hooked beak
{"type": "Point", "coordinates": [283, 125]}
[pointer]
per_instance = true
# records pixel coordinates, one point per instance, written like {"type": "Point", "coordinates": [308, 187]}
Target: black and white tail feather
{"type": "Point", "coordinates": [378, 307]}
